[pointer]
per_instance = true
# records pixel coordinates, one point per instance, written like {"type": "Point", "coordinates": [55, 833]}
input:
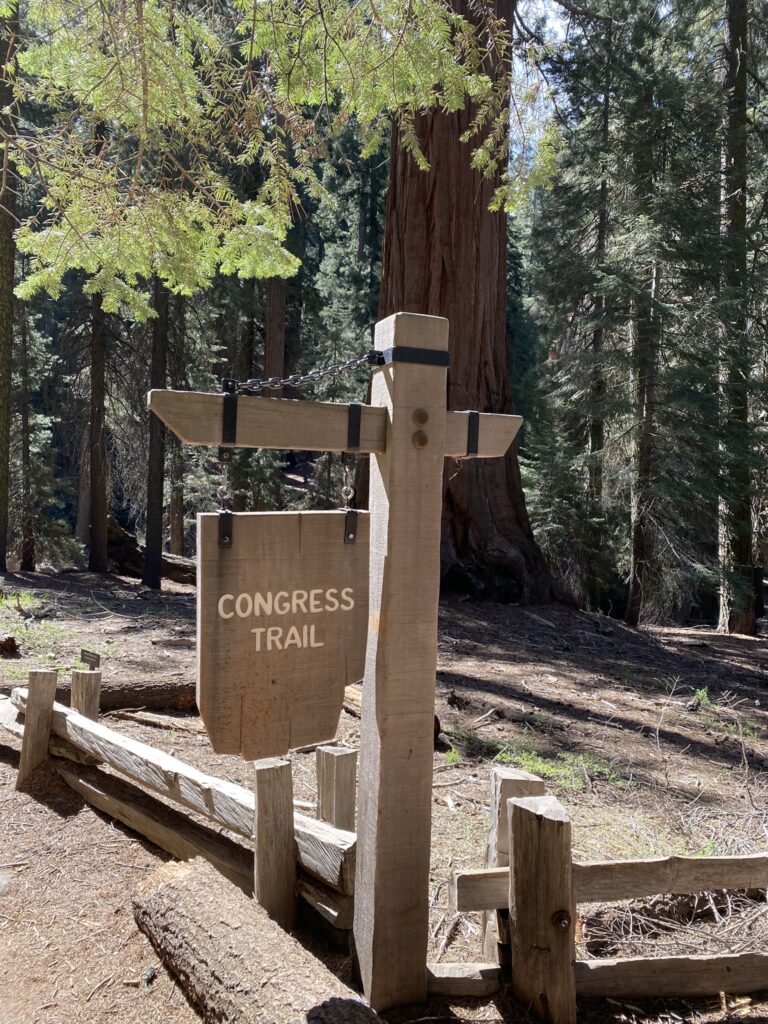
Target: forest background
{"type": "Point", "coordinates": [197, 191]}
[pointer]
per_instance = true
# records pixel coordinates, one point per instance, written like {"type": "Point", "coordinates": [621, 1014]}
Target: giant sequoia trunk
{"type": "Point", "coordinates": [9, 29]}
{"type": "Point", "coordinates": [737, 603]}
{"type": "Point", "coordinates": [445, 255]}
{"type": "Point", "coordinates": [153, 557]}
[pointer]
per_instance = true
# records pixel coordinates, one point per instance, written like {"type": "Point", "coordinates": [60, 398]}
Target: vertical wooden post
{"type": "Point", "coordinates": [397, 728]}
{"type": "Point", "coordinates": [506, 783]}
{"type": "Point", "coordinates": [41, 693]}
{"type": "Point", "coordinates": [542, 910]}
{"type": "Point", "coordinates": [274, 881]}
{"type": "Point", "coordinates": [336, 786]}
{"type": "Point", "coordinates": [85, 692]}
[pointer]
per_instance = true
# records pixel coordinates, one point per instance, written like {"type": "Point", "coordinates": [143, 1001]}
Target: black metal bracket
{"type": "Point", "coordinates": [473, 432]}
{"type": "Point", "coordinates": [228, 437]}
{"type": "Point", "coordinates": [350, 526]}
{"type": "Point", "coordinates": [226, 522]}
{"type": "Point", "coordinates": [407, 354]}
{"type": "Point", "coordinates": [353, 427]}
{"type": "Point", "coordinates": [229, 415]}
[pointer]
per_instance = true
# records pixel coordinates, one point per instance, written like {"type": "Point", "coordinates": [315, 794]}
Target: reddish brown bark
{"type": "Point", "coordinates": [445, 255]}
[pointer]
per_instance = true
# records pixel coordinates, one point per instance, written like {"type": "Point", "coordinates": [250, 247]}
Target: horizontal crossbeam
{"type": "Point", "coordinates": [488, 888]}
{"type": "Point", "coordinates": [195, 417]}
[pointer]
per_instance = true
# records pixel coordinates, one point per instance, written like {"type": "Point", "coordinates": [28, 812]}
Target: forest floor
{"type": "Point", "coordinates": [655, 740]}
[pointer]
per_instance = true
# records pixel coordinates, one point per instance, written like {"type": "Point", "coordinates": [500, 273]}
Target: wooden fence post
{"type": "Point", "coordinates": [506, 783]}
{"type": "Point", "coordinates": [542, 909]}
{"type": "Point", "coordinates": [397, 727]}
{"type": "Point", "coordinates": [274, 881]}
{"type": "Point", "coordinates": [336, 786]}
{"type": "Point", "coordinates": [41, 694]}
{"type": "Point", "coordinates": [85, 693]}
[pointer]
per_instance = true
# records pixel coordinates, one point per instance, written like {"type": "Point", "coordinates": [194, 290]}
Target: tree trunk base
{"type": "Point", "coordinates": [231, 959]}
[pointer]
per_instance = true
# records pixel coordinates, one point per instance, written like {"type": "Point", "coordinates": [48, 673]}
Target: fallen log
{"type": "Point", "coordinates": [232, 961]}
{"type": "Point", "coordinates": [126, 557]}
{"type": "Point", "coordinates": [170, 694]}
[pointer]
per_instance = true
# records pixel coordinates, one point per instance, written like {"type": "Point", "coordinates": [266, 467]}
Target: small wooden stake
{"type": "Point", "coordinates": [86, 692]}
{"type": "Point", "coordinates": [542, 909]}
{"type": "Point", "coordinates": [37, 725]}
{"type": "Point", "coordinates": [506, 784]}
{"type": "Point", "coordinates": [336, 786]}
{"type": "Point", "coordinates": [275, 858]}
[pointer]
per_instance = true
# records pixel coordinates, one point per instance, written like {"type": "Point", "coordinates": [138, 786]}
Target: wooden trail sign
{"type": "Point", "coordinates": [282, 617]}
{"type": "Point", "coordinates": [407, 432]}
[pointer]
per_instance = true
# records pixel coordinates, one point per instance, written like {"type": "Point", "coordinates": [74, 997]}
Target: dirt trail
{"type": "Point", "coordinates": [655, 740]}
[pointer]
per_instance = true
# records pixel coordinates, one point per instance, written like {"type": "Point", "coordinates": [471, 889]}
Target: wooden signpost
{"type": "Point", "coordinates": [408, 432]}
{"type": "Point", "coordinates": [282, 615]}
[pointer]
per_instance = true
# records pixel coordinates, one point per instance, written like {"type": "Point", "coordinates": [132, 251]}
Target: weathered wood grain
{"type": "Point", "coordinates": [632, 879]}
{"type": "Point", "coordinates": [37, 725]}
{"type": "Point", "coordinates": [282, 614]}
{"type": "Point", "coordinates": [674, 976]}
{"type": "Point", "coordinates": [323, 851]}
{"type": "Point", "coordinates": [496, 433]}
{"type": "Point", "coordinates": [337, 786]}
{"type": "Point", "coordinates": [476, 981]}
{"type": "Point", "coordinates": [542, 908]}
{"type": "Point", "coordinates": [232, 960]}
{"type": "Point", "coordinates": [274, 846]}
{"type": "Point", "coordinates": [506, 783]}
{"type": "Point", "coordinates": [12, 721]}
{"type": "Point", "coordinates": [195, 418]}
{"type": "Point", "coordinates": [479, 889]}
{"type": "Point", "coordinates": [610, 881]}
{"type": "Point", "coordinates": [397, 726]}
{"type": "Point", "coordinates": [85, 692]}
{"type": "Point", "coordinates": [337, 909]}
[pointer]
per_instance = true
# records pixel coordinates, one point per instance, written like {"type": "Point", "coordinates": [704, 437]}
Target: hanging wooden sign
{"type": "Point", "coordinates": [282, 618]}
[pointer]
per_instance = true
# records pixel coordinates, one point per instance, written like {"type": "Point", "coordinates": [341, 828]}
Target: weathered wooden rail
{"type": "Point", "coordinates": [314, 861]}
{"type": "Point", "coordinates": [534, 886]}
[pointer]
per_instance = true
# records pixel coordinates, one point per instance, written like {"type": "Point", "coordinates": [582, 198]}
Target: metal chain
{"type": "Point", "coordinates": [347, 487]}
{"type": "Point", "coordinates": [297, 380]}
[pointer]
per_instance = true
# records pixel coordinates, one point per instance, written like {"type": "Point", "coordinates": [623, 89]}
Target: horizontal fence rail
{"type": "Point", "coordinates": [609, 881]}
{"type": "Point", "coordinates": [674, 976]}
{"type": "Point", "coordinates": [326, 852]}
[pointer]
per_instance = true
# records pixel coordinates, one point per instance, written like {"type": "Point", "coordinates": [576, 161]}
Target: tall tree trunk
{"type": "Point", "coordinates": [83, 517]}
{"type": "Point", "coordinates": [445, 255]}
{"type": "Point", "coordinates": [644, 377]}
{"type": "Point", "coordinates": [98, 558]}
{"type": "Point", "coordinates": [597, 416]}
{"type": "Point", "coordinates": [9, 31]}
{"type": "Point", "coordinates": [274, 329]}
{"type": "Point", "coordinates": [644, 355]}
{"type": "Point", "coordinates": [153, 548]}
{"type": "Point", "coordinates": [737, 602]}
{"type": "Point", "coordinates": [27, 514]}
{"type": "Point", "coordinates": [177, 374]}
{"type": "Point", "coordinates": [176, 505]}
